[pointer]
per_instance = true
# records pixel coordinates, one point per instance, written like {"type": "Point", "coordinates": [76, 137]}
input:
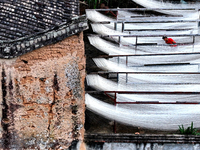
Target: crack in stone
{"type": "Point", "coordinates": [55, 89]}
{"type": "Point", "coordinates": [5, 110]}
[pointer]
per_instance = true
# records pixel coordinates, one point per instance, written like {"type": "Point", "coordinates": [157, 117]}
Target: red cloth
{"type": "Point", "coordinates": [170, 41]}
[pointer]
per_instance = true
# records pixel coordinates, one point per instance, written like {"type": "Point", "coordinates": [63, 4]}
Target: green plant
{"type": "Point", "coordinates": [189, 130]}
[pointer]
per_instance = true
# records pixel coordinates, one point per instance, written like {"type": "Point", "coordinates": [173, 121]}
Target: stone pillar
{"type": "Point", "coordinates": [42, 97]}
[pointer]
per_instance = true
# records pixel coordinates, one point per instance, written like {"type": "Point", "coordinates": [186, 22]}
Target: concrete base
{"type": "Point", "coordinates": [141, 142]}
{"type": "Point", "coordinates": [143, 146]}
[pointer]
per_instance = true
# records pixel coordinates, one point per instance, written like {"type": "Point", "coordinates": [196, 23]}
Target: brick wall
{"type": "Point", "coordinates": [42, 97]}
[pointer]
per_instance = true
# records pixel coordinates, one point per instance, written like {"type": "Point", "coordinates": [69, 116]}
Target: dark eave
{"type": "Point", "coordinates": [20, 46]}
{"type": "Point", "coordinates": [20, 18]}
{"type": "Point", "coordinates": [27, 25]}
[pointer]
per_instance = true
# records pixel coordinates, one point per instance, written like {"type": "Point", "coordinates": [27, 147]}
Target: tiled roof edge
{"type": "Point", "coordinates": [18, 47]}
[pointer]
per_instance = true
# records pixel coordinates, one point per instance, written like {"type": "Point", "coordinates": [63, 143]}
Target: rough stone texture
{"type": "Point", "coordinates": [42, 97]}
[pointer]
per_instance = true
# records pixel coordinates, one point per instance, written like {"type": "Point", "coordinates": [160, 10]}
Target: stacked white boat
{"type": "Point", "coordinates": [147, 68]}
